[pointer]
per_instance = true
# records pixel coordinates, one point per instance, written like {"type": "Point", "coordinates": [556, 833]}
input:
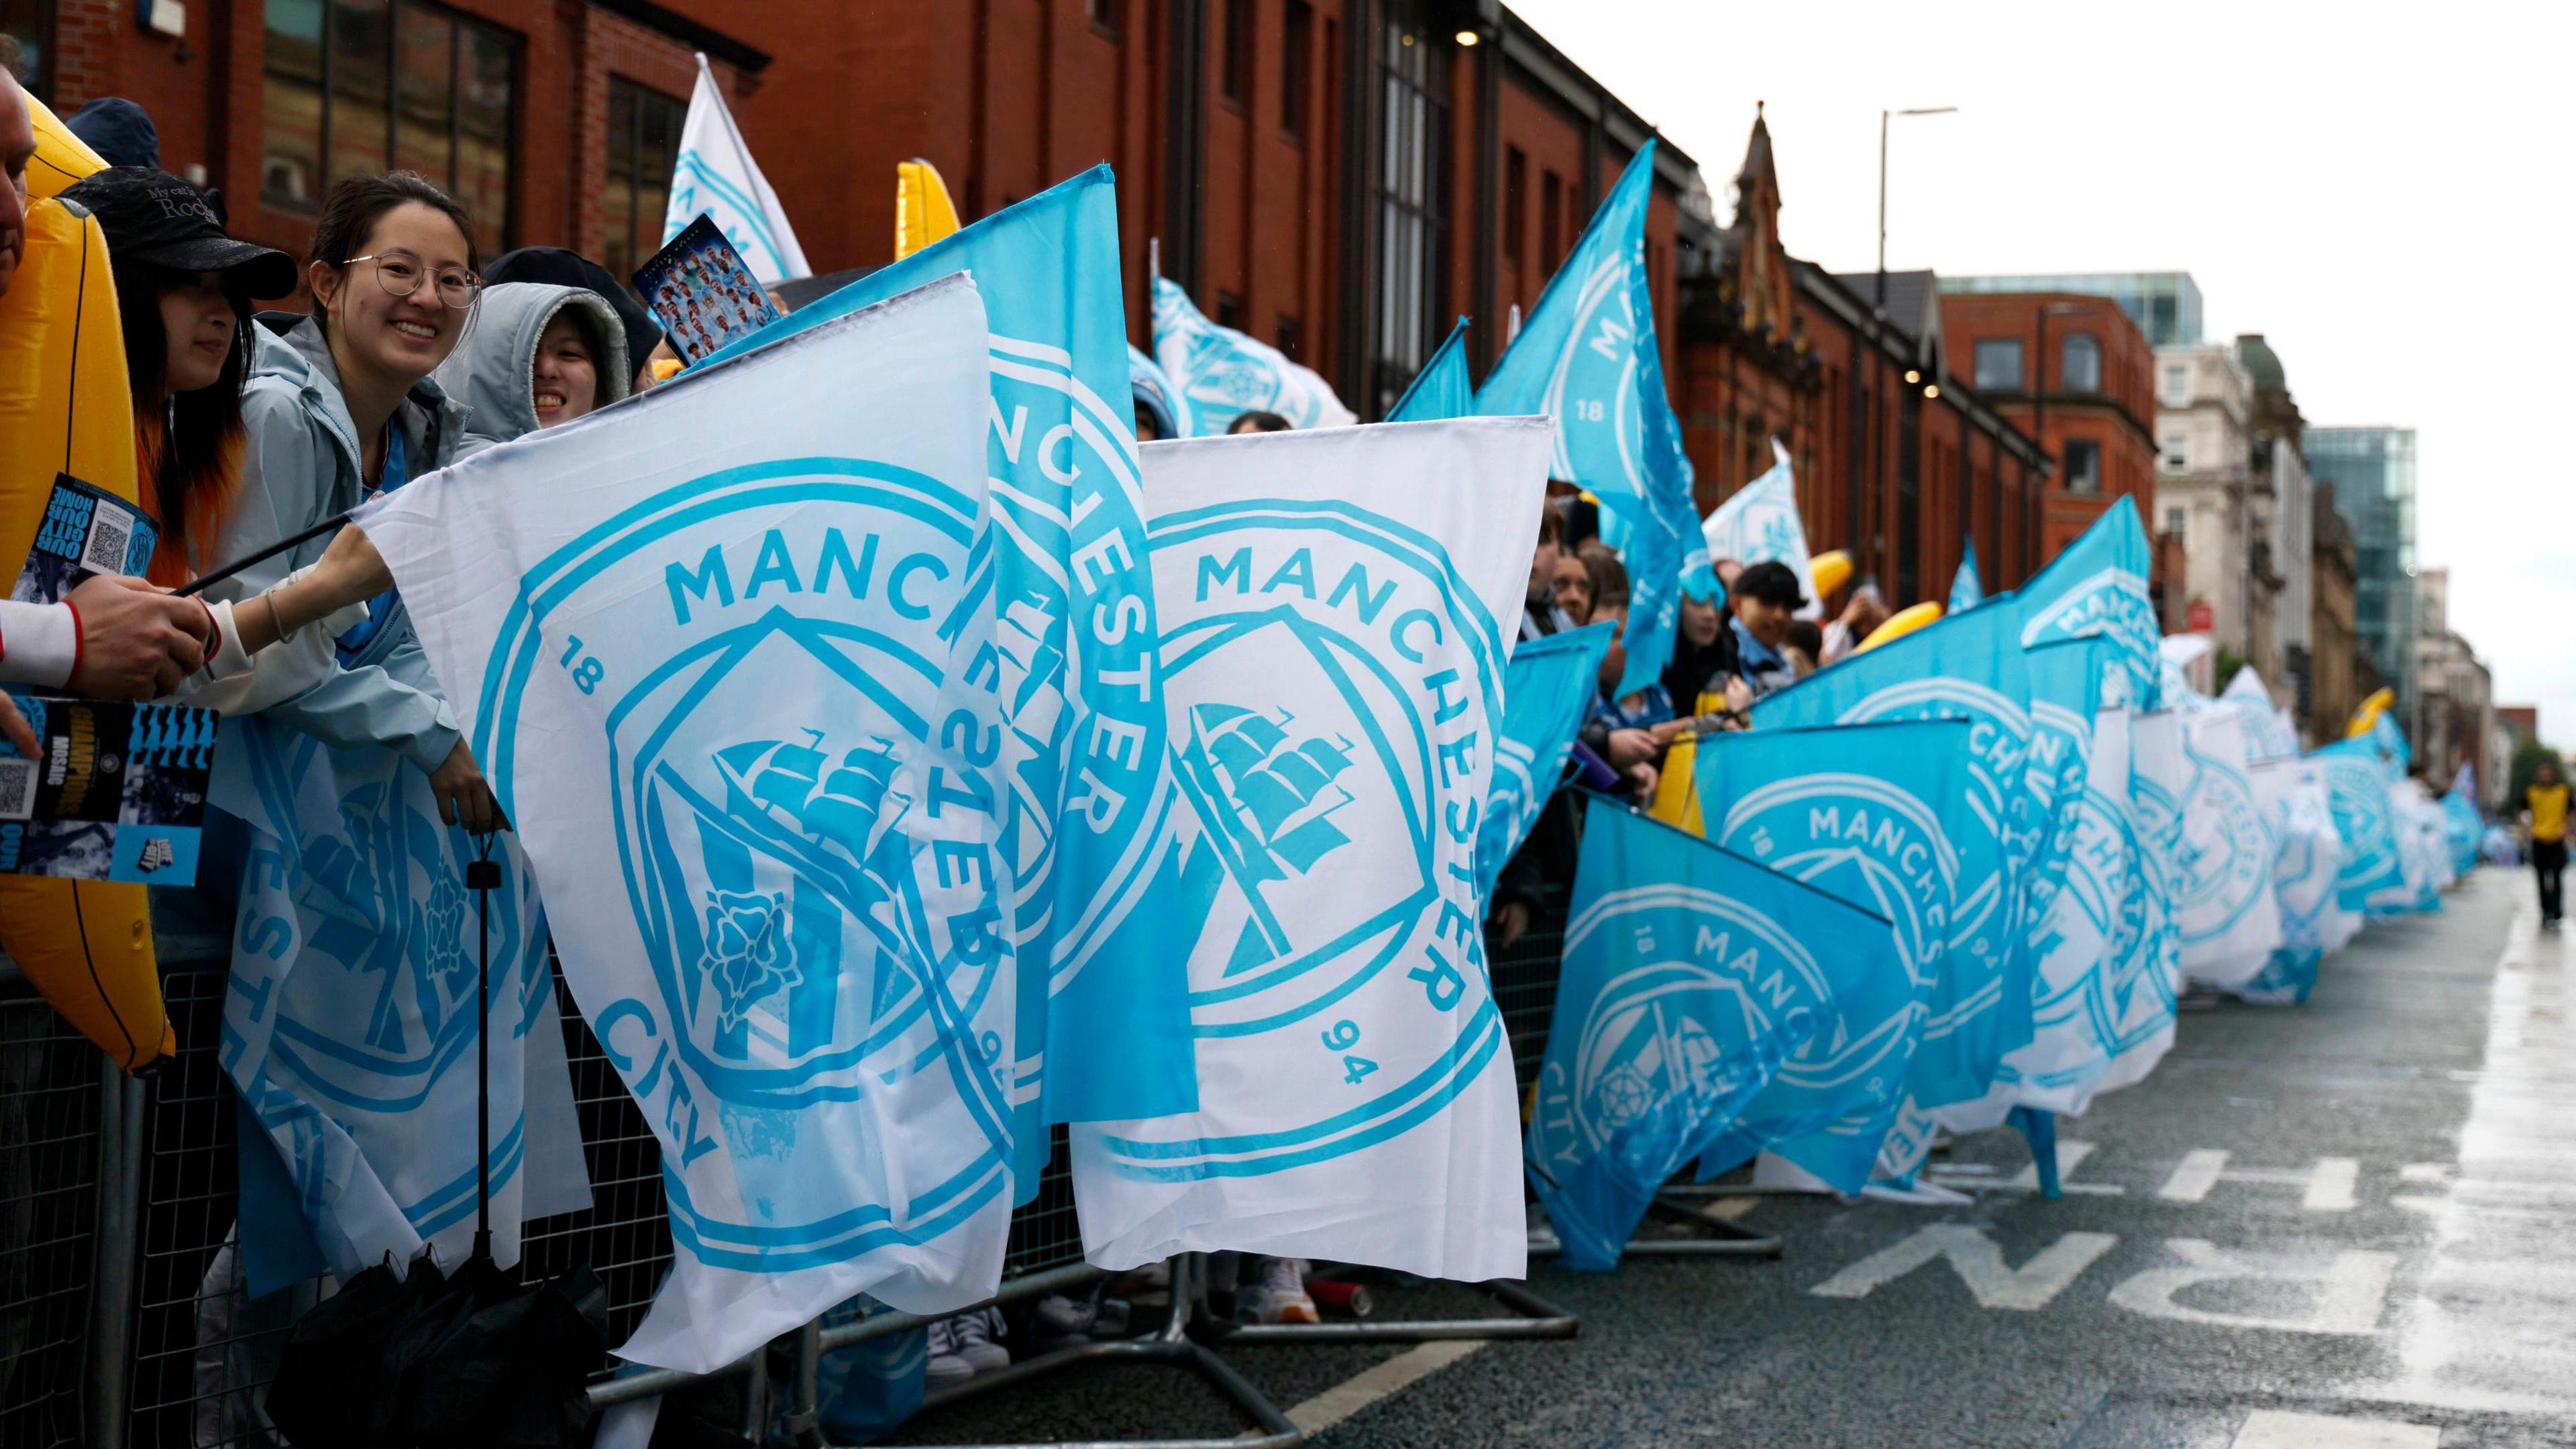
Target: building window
{"type": "Point", "coordinates": [1515, 202]}
{"type": "Point", "coordinates": [1229, 311]}
{"type": "Point", "coordinates": [643, 145]}
{"type": "Point", "coordinates": [31, 24]}
{"type": "Point", "coordinates": [1297, 68]}
{"type": "Point", "coordinates": [1409, 188]}
{"type": "Point", "coordinates": [1551, 197]}
{"type": "Point", "coordinates": [2079, 364]}
{"type": "Point", "coordinates": [2178, 522]}
{"type": "Point", "coordinates": [2083, 466]}
{"type": "Point", "coordinates": [2177, 384]}
{"type": "Point", "coordinates": [1998, 364]}
{"type": "Point", "coordinates": [1238, 51]}
{"type": "Point", "coordinates": [1104, 16]}
{"type": "Point", "coordinates": [354, 87]}
{"type": "Point", "coordinates": [1290, 337]}
{"type": "Point", "coordinates": [2177, 451]}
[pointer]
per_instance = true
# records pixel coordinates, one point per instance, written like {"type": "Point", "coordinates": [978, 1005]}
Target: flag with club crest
{"type": "Point", "coordinates": [2269, 734]}
{"type": "Point", "coordinates": [1869, 814]}
{"type": "Point", "coordinates": [1759, 523]}
{"type": "Point", "coordinates": [1550, 684]}
{"type": "Point", "coordinates": [1224, 374]}
{"type": "Point", "coordinates": [2146, 978]}
{"type": "Point", "coordinates": [1337, 612]}
{"type": "Point", "coordinates": [350, 1025]}
{"type": "Point", "coordinates": [1091, 814]}
{"type": "Point", "coordinates": [1966, 590]}
{"type": "Point", "coordinates": [2098, 586]}
{"type": "Point", "coordinates": [1966, 668]}
{"type": "Point", "coordinates": [726, 652]}
{"type": "Point", "coordinates": [1587, 357]}
{"type": "Point", "coordinates": [2227, 916]}
{"type": "Point", "coordinates": [1691, 973]}
{"type": "Point", "coordinates": [716, 175]}
{"type": "Point", "coordinates": [1440, 389]}
{"type": "Point", "coordinates": [2313, 924]}
{"type": "Point", "coordinates": [2370, 877]}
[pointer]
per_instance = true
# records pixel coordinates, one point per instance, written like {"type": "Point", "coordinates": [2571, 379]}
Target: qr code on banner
{"type": "Point", "coordinates": [111, 533]}
{"type": "Point", "coordinates": [17, 789]}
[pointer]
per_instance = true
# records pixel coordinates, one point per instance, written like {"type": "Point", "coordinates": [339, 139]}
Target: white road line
{"type": "Point", "coordinates": [1344, 1399]}
{"type": "Point", "coordinates": [2276, 1429]}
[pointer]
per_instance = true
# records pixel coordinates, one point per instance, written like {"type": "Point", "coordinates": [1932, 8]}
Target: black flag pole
{"type": "Point", "coordinates": [327, 525]}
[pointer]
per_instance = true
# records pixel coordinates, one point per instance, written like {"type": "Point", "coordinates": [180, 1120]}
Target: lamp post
{"type": "Point", "coordinates": [2039, 417]}
{"type": "Point", "coordinates": [1881, 301]}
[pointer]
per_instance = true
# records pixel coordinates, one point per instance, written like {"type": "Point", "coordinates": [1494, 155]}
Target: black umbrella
{"type": "Point", "coordinates": [438, 1359]}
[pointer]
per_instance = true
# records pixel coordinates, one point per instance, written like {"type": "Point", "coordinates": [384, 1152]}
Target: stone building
{"type": "Point", "coordinates": [2206, 489]}
{"type": "Point", "coordinates": [2284, 515]}
{"type": "Point", "coordinates": [2341, 675]}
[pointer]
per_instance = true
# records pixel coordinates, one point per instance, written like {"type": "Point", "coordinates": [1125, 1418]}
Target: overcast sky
{"type": "Point", "coordinates": [2382, 190]}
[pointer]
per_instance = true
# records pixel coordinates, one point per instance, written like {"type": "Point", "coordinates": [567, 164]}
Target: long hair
{"type": "Point", "coordinates": [188, 446]}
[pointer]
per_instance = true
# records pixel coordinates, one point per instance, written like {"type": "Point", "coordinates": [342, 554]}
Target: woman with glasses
{"type": "Point", "coordinates": [342, 407]}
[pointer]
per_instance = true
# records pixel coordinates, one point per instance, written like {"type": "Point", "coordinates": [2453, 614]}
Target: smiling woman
{"type": "Point", "coordinates": [538, 355]}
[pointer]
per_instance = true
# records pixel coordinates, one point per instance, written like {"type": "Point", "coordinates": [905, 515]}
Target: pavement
{"type": "Point", "coordinates": [2349, 1225]}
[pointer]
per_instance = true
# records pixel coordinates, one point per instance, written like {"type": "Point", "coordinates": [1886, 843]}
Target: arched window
{"type": "Point", "coordinates": [2079, 367]}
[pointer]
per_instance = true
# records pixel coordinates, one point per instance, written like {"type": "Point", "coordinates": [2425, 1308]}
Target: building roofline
{"type": "Point", "coordinates": [740, 54]}
{"type": "Point", "coordinates": [1575, 88]}
{"type": "Point", "coordinates": [1827, 291]}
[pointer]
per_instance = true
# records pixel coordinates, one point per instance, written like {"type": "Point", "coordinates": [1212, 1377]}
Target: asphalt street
{"type": "Point", "coordinates": [2349, 1224]}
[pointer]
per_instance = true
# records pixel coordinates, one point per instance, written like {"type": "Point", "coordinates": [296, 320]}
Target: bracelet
{"type": "Point", "coordinates": [270, 596]}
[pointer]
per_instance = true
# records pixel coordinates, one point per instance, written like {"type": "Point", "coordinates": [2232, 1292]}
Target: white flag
{"type": "Point", "coordinates": [725, 652]}
{"type": "Point", "coordinates": [1223, 374]}
{"type": "Point", "coordinates": [2226, 915]}
{"type": "Point", "coordinates": [1333, 607]}
{"type": "Point", "coordinates": [716, 175]}
{"type": "Point", "coordinates": [1759, 522]}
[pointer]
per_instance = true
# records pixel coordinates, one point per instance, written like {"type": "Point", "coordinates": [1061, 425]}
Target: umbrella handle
{"type": "Point", "coordinates": [483, 876]}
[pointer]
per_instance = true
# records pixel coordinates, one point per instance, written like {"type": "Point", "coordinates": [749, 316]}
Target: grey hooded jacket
{"type": "Point", "coordinates": [493, 367]}
{"type": "Point", "coordinates": [303, 465]}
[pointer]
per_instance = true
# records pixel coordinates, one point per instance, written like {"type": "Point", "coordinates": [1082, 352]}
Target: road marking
{"type": "Point", "coordinates": [1978, 1177]}
{"type": "Point", "coordinates": [2351, 1287]}
{"type": "Point", "coordinates": [2327, 1187]}
{"type": "Point", "coordinates": [1979, 1262]}
{"type": "Point", "coordinates": [1368, 1386]}
{"type": "Point", "coordinates": [2279, 1429]}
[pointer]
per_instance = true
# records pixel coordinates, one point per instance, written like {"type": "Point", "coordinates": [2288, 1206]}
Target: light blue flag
{"type": "Point", "coordinates": [2464, 822]}
{"type": "Point", "coordinates": [2395, 752]}
{"type": "Point", "coordinates": [1691, 974]}
{"type": "Point", "coordinates": [1440, 389]}
{"type": "Point", "coordinates": [2227, 911]}
{"type": "Point", "coordinates": [2098, 586]}
{"type": "Point", "coordinates": [1103, 1026]}
{"type": "Point", "coordinates": [2146, 977]}
{"type": "Point", "coordinates": [1966, 590]}
{"type": "Point", "coordinates": [2371, 876]}
{"type": "Point", "coordinates": [1223, 374]}
{"type": "Point", "coordinates": [2303, 879]}
{"type": "Point", "coordinates": [1759, 523]}
{"type": "Point", "coordinates": [1868, 814]}
{"type": "Point", "coordinates": [349, 1015]}
{"type": "Point", "coordinates": [1550, 683]}
{"type": "Point", "coordinates": [1587, 357]}
{"type": "Point", "coordinates": [1154, 392]}
{"type": "Point", "coordinates": [1966, 668]}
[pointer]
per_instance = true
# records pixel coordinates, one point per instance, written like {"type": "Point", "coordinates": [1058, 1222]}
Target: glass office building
{"type": "Point", "coordinates": [2373, 471]}
{"type": "Point", "coordinates": [2165, 305]}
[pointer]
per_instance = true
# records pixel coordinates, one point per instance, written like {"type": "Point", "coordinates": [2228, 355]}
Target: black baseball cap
{"type": "Point", "coordinates": [155, 216]}
{"type": "Point", "coordinates": [1771, 581]}
{"type": "Point", "coordinates": [564, 267]}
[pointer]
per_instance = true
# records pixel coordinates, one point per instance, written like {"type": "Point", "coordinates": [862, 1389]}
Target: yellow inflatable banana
{"type": "Point", "coordinates": [61, 158]}
{"type": "Point", "coordinates": [922, 211]}
{"type": "Point", "coordinates": [2371, 709]}
{"type": "Point", "coordinates": [65, 406]}
{"type": "Point", "coordinates": [1829, 571]}
{"type": "Point", "coordinates": [1899, 624]}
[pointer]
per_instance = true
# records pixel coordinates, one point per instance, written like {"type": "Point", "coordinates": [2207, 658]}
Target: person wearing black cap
{"type": "Point", "coordinates": [1762, 600]}
{"type": "Point", "coordinates": [564, 267]}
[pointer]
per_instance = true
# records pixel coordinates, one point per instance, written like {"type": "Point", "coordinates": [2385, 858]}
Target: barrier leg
{"type": "Point", "coordinates": [1725, 1239]}
{"type": "Point", "coordinates": [1530, 1317]}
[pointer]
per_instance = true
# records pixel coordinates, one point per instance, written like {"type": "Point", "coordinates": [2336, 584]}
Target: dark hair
{"type": "Point", "coordinates": [1808, 636]}
{"type": "Point", "coordinates": [1256, 420]}
{"type": "Point", "coordinates": [191, 441]}
{"type": "Point", "coordinates": [1609, 576]}
{"type": "Point", "coordinates": [1551, 525]}
{"type": "Point", "coordinates": [350, 214]}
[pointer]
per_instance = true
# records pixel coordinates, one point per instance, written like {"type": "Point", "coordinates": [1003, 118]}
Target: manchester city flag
{"type": "Point", "coordinates": [2146, 978]}
{"type": "Point", "coordinates": [1588, 358]}
{"type": "Point", "coordinates": [1225, 374]}
{"type": "Point", "coordinates": [716, 175]}
{"type": "Point", "coordinates": [1550, 684]}
{"type": "Point", "coordinates": [2098, 586]}
{"type": "Point", "coordinates": [1335, 610]}
{"type": "Point", "coordinates": [1090, 814]}
{"type": "Point", "coordinates": [727, 654]}
{"type": "Point", "coordinates": [1869, 814]}
{"type": "Point", "coordinates": [2227, 917]}
{"type": "Point", "coordinates": [1759, 523]}
{"type": "Point", "coordinates": [2370, 877]}
{"type": "Point", "coordinates": [2269, 734]}
{"type": "Point", "coordinates": [1690, 974]}
{"type": "Point", "coordinates": [1440, 389]}
{"type": "Point", "coordinates": [1966, 590]}
{"type": "Point", "coordinates": [2303, 881]}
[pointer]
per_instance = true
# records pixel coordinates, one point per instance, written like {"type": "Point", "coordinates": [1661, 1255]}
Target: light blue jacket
{"type": "Point", "coordinates": [302, 466]}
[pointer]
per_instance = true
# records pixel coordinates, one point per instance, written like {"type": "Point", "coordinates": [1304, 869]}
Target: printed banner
{"type": "Point", "coordinates": [1868, 814]}
{"type": "Point", "coordinates": [2370, 877]}
{"type": "Point", "coordinates": [726, 653]}
{"type": "Point", "coordinates": [1546, 691]}
{"type": "Point", "coordinates": [1090, 815]}
{"type": "Point", "coordinates": [1440, 390]}
{"type": "Point", "coordinates": [350, 1021]}
{"type": "Point", "coordinates": [1759, 523]}
{"type": "Point", "coordinates": [2269, 734]}
{"type": "Point", "coordinates": [2098, 586]}
{"type": "Point", "coordinates": [717, 176]}
{"type": "Point", "coordinates": [2227, 918]}
{"type": "Point", "coordinates": [1334, 672]}
{"type": "Point", "coordinates": [1225, 374]}
{"type": "Point", "coordinates": [1587, 357]}
{"type": "Point", "coordinates": [1690, 974]}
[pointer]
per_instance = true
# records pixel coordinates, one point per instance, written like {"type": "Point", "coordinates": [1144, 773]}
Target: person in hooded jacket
{"type": "Point", "coordinates": [538, 355]}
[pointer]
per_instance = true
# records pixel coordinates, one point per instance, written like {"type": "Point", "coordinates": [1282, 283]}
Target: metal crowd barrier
{"type": "Point", "coordinates": [51, 1100]}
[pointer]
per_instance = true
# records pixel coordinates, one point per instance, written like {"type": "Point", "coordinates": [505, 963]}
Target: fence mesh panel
{"type": "Point", "coordinates": [49, 1163]}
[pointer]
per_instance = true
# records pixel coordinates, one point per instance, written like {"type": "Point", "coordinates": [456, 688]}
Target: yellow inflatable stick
{"type": "Point", "coordinates": [65, 406]}
{"type": "Point", "coordinates": [1829, 571]}
{"type": "Point", "coordinates": [1899, 624]}
{"type": "Point", "coordinates": [922, 211]}
{"type": "Point", "coordinates": [2371, 709]}
{"type": "Point", "coordinates": [61, 158]}
{"type": "Point", "coordinates": [1676, 799]}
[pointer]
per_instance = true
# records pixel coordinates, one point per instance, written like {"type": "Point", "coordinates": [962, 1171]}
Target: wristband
{"type": "Point", "coordinates": [80, 642]}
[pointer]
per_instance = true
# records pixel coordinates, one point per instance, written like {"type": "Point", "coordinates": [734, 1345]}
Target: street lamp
{"type": "Point", "coordinates": [1882, 186]}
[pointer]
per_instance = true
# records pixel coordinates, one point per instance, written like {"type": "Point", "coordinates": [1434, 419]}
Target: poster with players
{"type": "Point", "coordinates": [701, 292]}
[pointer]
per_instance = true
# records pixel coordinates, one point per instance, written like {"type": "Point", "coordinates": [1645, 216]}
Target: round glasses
{"type": "Point", "coordinates": [400, 274]}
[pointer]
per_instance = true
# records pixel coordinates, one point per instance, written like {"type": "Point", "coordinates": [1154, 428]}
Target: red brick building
{"type": "Point", "coordinates": [2077, 373]}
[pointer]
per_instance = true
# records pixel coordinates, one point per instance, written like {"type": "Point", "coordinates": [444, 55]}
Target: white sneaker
{"type": "Point", "coordinates": [974, 1334]}
{"type": "Point", "coordinates": [1280, 1295]}
{"type": "Point", "coordinates": [945, 1368]}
